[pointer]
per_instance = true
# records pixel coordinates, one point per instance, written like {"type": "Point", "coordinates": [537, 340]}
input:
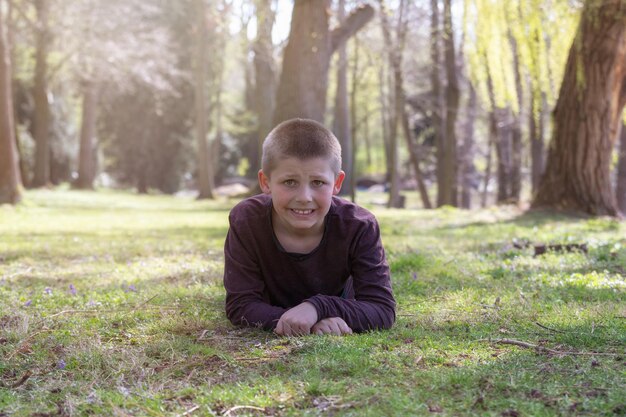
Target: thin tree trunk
{"type": "Point", "coordinates": [341, 123]}
{"type": "Point", "coordinates": [42, 107]}
{"type": "Point", "coordinates": [588, 115]}
{"type": "Point", "coordinates": [353, 117]}
{"type": "Point", "coordinates": [385, 124]}
{"type": "Point", "coordinates": [516, 129]}
{"type": "Point", "coordinates": [87, 156]}
{"type": "Point", "coordinates": [438, 115]}
{"type": "Point", "coordinates": [397, 104]}
{"type": "Point", "coordinates": [204, 158]}
{"type": "Point", "coordinates": [487, 179]}
{"type": "Point", "coordinates": [620, 192]}
{"type": "Point", "coordinates": [448, 186]}
{"type": "Point", "coordinates": [535, 128]}
{"type": "Point", "coordinates": [467, 155]}
{"type": "Point", "coordinates": [10, 180]}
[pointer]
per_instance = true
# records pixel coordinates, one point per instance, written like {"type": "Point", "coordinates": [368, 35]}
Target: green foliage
{"type": "Point", "coordinates": [543, 32]}
{"type": "Point", "coordinates": [112, 304]}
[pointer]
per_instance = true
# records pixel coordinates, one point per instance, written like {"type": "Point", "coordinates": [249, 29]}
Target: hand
{"type": "Point", "coordinates": [331, 325]}
{"type": "Point", "coordinates": [297, 321]}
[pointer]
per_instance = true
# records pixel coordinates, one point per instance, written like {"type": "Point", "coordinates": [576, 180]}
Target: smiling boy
{"type": "Point", "coordinates": [298, 259]}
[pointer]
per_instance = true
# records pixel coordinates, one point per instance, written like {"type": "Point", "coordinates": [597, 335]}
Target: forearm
{"type": "Point", "coordinates": [253, 313]}
{"type": "Point", "coordinates": [360, 315]}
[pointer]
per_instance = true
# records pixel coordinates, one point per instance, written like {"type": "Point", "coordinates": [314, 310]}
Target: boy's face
{"type": "Point", "coordinates": [301, 193]}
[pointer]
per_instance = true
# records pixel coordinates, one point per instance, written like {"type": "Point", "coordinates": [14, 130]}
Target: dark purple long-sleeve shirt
{"type": "Point", "coordinates": [263, 281]}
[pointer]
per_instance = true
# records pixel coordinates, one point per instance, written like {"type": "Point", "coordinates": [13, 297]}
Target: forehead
{"type": "Point", "coordinates": [309, 166]}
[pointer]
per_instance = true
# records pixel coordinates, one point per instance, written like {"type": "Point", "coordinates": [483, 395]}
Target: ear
{"type": "Point", "coordinates": [264, 182]}
{"type": "Point", "coordinates": [338, 181]}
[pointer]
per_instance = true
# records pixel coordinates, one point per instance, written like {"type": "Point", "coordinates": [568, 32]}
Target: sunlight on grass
{"type": "Point", "coordinates": [112, 304]}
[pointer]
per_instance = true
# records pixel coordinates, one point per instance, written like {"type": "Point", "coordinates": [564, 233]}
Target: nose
{"type": "Point", "coordinates": [304, 194]}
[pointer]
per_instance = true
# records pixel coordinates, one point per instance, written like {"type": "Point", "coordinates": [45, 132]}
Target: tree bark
{"type": "Point", "coordinates": [265, 73]}
{"type": "Point", "coordinates": [304, 78]}
{"type": "Point", "coordinates": [536, 132]}
{"type": "Point", "coordinates": [467, 154]}
{"type": "Point", "coordinates": [42, 107]}
{"type": "Point", "coordinates": [588, 114]}
{"type": "Point", "coordinates": [10, 180]}
{"type": "Point", "coordinates": [516, 129]}
{"type": "Point", "coordinates": [437, 110]}
{"type": "Point", "coordinates": [341, 122]}
{"type": "Point", "coordinates": [353, 116]}
{"type": "Point", "coordinates": [447, 163]}
{"type": "Point", "coordinates": [620, 191]}
{"type": "Point", "coordinates": [204, 158]}
{"type": "Point", "coordinates": [87, 157]}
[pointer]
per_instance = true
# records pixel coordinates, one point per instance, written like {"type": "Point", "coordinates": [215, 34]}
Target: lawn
{"type": "Point", "coordinates": [112, 304]}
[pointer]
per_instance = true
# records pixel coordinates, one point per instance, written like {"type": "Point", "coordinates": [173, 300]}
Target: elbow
{"type": "Point", "coordinates": [388, 319]}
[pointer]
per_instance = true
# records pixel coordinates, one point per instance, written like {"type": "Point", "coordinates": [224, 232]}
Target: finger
{"type": "Point", "coordinates": [336, 329]}
{"type": "Point", "coordinates": [279, 330]}
{"type": "Point", "coordinates": [345, 329]}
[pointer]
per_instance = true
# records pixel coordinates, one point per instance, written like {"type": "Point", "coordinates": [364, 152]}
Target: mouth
{"type": "Point", "coordinates": [301, 212]}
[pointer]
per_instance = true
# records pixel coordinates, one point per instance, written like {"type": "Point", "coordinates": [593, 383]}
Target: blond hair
{"type": "Point", "coordinates": [302, 139]}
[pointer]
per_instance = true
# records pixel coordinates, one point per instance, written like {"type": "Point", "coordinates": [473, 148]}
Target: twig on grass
{"type": "Point", "coordinates": [20, 382]}
{"type": "Point", "coordinates": [241, 407]}
{"type": "Point", "coordinates": [190, 411]}
{"type": "Point", "coordinates": [544, 349]}
{"type": "Point", "coordinates": [548, 328]}
{"type": "Point", "coordinates": [137, 307]}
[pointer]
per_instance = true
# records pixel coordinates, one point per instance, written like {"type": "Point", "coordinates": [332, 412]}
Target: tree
{"type": "Point", "coordinates": [42, 107]}
{"type": "Point", "coordinates": [10, 180]}
{"type": "Point", "coordinates": [447, 145]}
{"type": "Point", "coordinates": [588, 115]}
{"type": "Point", "coordinates": [265, 73]}
{"type": "Point", "coordinates": [341, 122]}
{"type": "Point", "coordinates": [304, 78]}
{"type": "Point", "coordinates": [395, 50]}
{"type": "Point", "coordinates": [620, 189]}
{"type": "Point", "coordinates": [205, 166]}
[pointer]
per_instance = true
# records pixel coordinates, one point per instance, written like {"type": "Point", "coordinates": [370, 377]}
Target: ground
{"type": "Point", "coordinates": [112, 304]}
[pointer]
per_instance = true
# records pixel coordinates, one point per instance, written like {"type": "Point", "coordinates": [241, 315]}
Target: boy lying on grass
{"type": "Point", "coordinates": [299, 260]}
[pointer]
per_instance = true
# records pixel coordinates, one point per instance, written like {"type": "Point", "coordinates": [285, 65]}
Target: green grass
{"type": "Point", "coordinates": [112, 304]}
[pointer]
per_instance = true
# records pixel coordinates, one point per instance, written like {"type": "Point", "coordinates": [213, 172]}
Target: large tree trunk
{"type": "Point", "coordinates": [265, 73]}
{"type": "Point", "coordinates": [87, 156]}
{"type": "Point", "coordinates": [10, 181]}
{"type": "Point", "coordinates": [204, 158]}
{"type": "Point", "coordinates": [447, 163]}
{"type": "Point", "coordinates": [304, 77]}
{"type": "Point", "coordinates": [620, 191]}
{"type": "Point", "coordinates": [588, 115]}
{"type": "Point", "coordinates": [42, 107]}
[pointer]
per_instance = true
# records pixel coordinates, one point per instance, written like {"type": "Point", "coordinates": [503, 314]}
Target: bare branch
{"type": "Point", "coordinates": [353, 23]}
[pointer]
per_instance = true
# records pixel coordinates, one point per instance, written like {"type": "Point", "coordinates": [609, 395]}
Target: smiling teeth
{"type": "Point", "coordinates": [302, 211]}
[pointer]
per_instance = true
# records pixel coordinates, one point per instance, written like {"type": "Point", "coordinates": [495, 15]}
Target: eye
{"type": "Point", "coordinates": [290, 183]}
{"type": "Point", "coordinates": [318, 183]}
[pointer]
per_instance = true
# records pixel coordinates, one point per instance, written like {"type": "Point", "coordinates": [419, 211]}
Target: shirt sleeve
{"type": "Point", "coordinates": [373, 306]}
{"type": "Point", "coordinates": [247, 303]}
